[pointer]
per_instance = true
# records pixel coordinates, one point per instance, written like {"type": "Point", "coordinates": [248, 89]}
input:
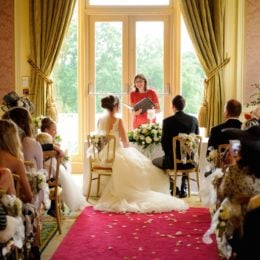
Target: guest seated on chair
{"type": "Point", "coordinates": [48, 125]}
{"type": "Point", "coordinates": [232, 112]}
{"type": "Point", "coordinates": [71, 193]}
{"type": "Point", "coordinates": [31, 148]}
{"type": "Point", "coordinates": [11, 156]}
{"type": "Point", "coordinates": [180, 122]}
{"type": "Point", "coordinates": [241, 181]}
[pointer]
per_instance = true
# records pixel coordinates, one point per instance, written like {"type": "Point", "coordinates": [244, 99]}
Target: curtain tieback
{"type": "Point", "coordinates": [39, 72]}
{"type": "Point", "coordinates": [216, 70]}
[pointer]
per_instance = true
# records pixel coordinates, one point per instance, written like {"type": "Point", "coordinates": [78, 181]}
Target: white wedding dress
{"type": "Point", "coordinates": [136, 185]}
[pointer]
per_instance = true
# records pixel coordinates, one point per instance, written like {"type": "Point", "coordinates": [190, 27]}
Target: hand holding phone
{"type": "Point", "coordinates": [235, 146]}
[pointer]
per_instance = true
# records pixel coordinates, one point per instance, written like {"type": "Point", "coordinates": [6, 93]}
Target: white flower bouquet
{"type": "Point", "coordinates": [37, 121]}
{"type": "Point", "coordinates": [99, 141]}
{"type": "Point", "coordinates": [12, 204]}
{"type": "Point", "coordinates": [39, 187]}
{"type": "Point", "coordinates": [146, 135]}
{"type": "Point", "coordinates": [189, 146]}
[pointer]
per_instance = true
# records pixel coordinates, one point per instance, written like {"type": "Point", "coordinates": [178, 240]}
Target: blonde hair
{"type": "Point", "coordinates": [9, 138]}
{"type": "Point", "coordinates": [44, 138]}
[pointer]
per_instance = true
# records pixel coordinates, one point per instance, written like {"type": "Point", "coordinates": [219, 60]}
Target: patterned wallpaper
{"type": "Point", "coordinates": [252, 46]}
{"type": "Point", "coordinates": [7, 76]}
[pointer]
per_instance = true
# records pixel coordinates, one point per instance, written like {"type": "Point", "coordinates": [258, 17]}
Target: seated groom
{"type": "Point", "coordinates": [180, 122]}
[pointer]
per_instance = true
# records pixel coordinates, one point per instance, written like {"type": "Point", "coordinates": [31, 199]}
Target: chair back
{"type": "Point", "coordinates": [186, 154]}
{"type": "Point", "coordinates": [55, 190]}
{"type": "Point", "coordinates": [101, 149]}
{"type": "Point", "coordinates": [17, 184]}
{"type": "Point", "coordinates": [101, 155]}
{"type": "Point", "coordinates": [29, 165]}
{"type": "Point", "coordinates": [186, 150]}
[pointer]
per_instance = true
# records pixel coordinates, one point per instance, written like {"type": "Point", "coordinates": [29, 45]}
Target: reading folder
{"type": "Point", "coordinates": [145, 104]}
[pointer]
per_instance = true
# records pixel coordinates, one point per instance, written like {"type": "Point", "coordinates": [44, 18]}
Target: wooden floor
{"type": "Point", "coordinates": [193, 201]}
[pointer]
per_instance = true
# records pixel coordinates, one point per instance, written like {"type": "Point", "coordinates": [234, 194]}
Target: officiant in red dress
{"type": "Point", "coordinates": [140, 92]}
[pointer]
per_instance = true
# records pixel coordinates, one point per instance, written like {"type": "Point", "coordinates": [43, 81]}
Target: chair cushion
{"type": "Point", "coordinates": [186, 166]}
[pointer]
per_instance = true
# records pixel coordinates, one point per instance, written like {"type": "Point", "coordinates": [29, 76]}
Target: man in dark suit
{"type": "Point", "coordinates": [232, 112]}
{"type": "Point", "coordinates": [180, 122]}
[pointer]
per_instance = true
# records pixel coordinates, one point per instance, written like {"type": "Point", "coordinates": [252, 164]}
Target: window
{"type": "Point", "coordinates": [129, 2]}
{"type": "Point", "coordinates": [192, 75]}
{"type": "Point", "coordinates": [65, 89]}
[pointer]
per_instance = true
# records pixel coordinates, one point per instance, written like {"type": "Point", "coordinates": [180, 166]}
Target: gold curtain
{"type": "Point", "coordinates": [204, 20]}
{"type": "Point", "coordinates": [49, 21]}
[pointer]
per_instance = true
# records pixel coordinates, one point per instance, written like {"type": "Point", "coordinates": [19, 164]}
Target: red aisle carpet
{"type": "Point", "coordinates": [173, 235]}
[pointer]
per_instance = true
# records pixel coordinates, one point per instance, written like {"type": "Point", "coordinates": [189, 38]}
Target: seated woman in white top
{"type": "Point", "coordinates": [136, 185]}
{"type": "Point", "coordinates": [31, 148]}
{"type": "Point", "coordinates": [71, 193]}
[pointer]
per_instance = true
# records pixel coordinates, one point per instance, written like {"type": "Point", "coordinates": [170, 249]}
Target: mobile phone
{"type": "Point", "coordinates": [235, 146]}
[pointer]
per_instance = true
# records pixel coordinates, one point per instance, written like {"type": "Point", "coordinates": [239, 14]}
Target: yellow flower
{"type": "Point", "coordinates": [224, 214]}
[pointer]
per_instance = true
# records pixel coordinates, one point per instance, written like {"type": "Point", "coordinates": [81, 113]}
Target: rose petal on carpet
{"type": "Point", "coordinates": [171, 235]}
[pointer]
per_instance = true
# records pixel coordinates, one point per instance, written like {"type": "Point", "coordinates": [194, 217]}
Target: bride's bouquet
{"type": "Point", "coordinates": [146, 135]}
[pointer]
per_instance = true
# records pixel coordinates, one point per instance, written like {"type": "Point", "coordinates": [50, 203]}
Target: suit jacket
{"type": "Point", "coordinates": [180, 122]}
{"type": "Point", "coordinates": [216, 137]}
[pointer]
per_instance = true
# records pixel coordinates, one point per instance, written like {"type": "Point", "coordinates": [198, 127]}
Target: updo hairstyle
{"type": "Point", "coordinates": [109, 102]}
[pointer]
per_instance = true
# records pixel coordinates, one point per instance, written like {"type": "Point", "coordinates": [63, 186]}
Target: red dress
{"type": "Point", "coordinates": [136, 97]}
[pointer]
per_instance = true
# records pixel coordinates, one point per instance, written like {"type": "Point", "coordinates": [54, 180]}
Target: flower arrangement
{"type": "Point", "coordinates": [98, 141]}
{"type": "Point", "coordinates": [146, 135]}
{"type": "Point", "coordinates": [212, 157]}
{"type": "Point", "coordinates": [12, 205]}
{"type": "Point", "coordinates": [255, 98]}
{"type": "Point", "coordinates": [189, 146]}
{"type": "Point", "coordinates": [37, 121]}
{"type": "Point", "coordinates": [38, 183]}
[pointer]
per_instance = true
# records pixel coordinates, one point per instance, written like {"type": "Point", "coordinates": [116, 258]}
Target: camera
{"type": "Point", "coordinates": [235, 146]}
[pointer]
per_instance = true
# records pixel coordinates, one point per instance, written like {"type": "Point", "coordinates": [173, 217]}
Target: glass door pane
{"type": "Point", "coordinates": [150, 55]}
{"type": "Point", "coordinates": [129, 2]}
{"type": "Point", "coordinates": [192, 74]}
{"type": "Point", "coordinates": [108, 61]}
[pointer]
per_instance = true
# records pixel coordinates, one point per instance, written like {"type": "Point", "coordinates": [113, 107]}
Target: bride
{"type": "Point", "coordinates": [136, 185]}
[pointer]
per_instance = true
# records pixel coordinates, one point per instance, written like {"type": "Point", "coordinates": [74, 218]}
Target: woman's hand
{"type": "Point", "coordinates": [57, 149]}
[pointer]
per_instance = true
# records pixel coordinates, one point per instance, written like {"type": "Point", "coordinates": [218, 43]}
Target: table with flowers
{"type": "Point", "coordinates": [147, 139]}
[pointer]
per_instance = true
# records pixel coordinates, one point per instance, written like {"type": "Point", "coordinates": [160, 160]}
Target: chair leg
{"type": "Point", "coordinates": [198, 184]}
{"type": "Point", "coordinates": [175, 184]}
{"type": "Point", "coordinates": [188, 180]}
{"type": "Point", "coordinates": [98, 184]}
{"type": "Point", "coordinates": [89, 185]}
{"type": "Point", "coordinates": [58, 214]}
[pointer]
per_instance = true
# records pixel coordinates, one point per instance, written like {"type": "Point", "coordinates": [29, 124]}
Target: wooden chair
{"type": "Point", "coordinates": [101, 157]}
{"type": "Point", "coordinates": [29, 165]}
{"type": "Point", "coordinates": [188, 166]}
{"type": "Point", "coordinates": [55, 189]}
{"type": "Point", "coordinates": [17, 184]}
